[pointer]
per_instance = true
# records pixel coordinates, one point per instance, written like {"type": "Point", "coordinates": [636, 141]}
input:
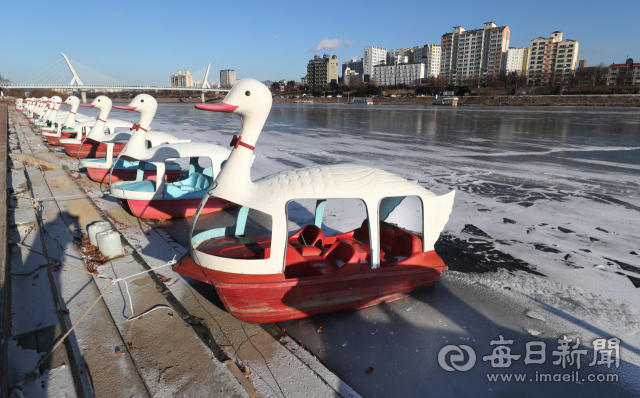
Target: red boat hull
{"type": "Point", "coordinates": [53, 140]}
{"type": "Point", "coordinates": [92, 149]}
{"type": "Point", "coordinates": [177, 208]}
{"type": "Point", "coordinates": [272, 298]}
{"type": "Point", "coordinates": [102, 175]}
{"type": "Point", "coordinates": [314, 282]}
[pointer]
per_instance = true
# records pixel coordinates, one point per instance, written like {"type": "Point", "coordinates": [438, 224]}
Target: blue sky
{"type": "Point", "coordinates": [142, 42]}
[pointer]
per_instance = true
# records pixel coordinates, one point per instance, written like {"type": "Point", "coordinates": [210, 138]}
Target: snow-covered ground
{"type": "Point", "coordinates": [547, 199]}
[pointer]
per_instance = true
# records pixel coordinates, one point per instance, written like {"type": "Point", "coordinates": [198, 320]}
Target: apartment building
{"type": "Point", "coordinates": [429, 55]}
{"type": "Point", "coordinates": [354, 65]}
{"type": "Point", "coordinates": [516, 59]}
{"type": "Point", "coordinates": [181, 79]}
{"type": "Point", "coordinates": [624, 74]}
{"type": "Point", "coordinates": [394, 55]}
{"type": "Point", "coordinates": [408, 73]}
{"type": "Point", "coordinates": [228, 78]}
{"type": "Point", "coordinates": [474, 53]}
{"type": "Point", "coordinates": [552, 60]}
{"type": "Point", "coordinates": [348, 76]}
{"type": "Point", "coordinates": [373, 56]}
{"type": "Point", "coordinates": [322, 70]}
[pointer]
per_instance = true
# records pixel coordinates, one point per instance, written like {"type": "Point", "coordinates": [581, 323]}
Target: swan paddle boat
{"type": "Point", "coordinates": [72, 145]}
{"type": "Point", "coordinates": [103, 143]}
{"type": "Point", "coordinates": [37, 108]}
{"type": "Point", "coordinates": [68, 123]}
{"type": "Point", "coordinates": [263, 274]}
{"type": "Point", "coordinates": [83, 146]}
{"type": "Point", "coordinates": [157, 198]}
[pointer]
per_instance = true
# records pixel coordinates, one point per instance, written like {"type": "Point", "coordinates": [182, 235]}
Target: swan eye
{"type": "Point", "coordinates": [141, 100]}
{"type": "Point", "coordinates": [248, 93]}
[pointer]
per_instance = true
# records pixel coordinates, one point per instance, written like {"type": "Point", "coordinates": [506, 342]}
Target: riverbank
{"type": "Point", "coordinates": [621, 100]}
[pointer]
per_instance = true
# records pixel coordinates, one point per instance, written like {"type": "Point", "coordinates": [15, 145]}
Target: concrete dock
{"type": "Point", "coordinates": [185, 344]}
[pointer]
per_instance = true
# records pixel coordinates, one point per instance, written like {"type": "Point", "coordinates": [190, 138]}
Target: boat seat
{"type": "Point", "coordinates": [311, 235]}
{"type": "Point", "coordinates": [309, 251]}
{"type": "Point", "coordinates": [339, 255]}
{"type": "Point", "coordinates": [386, 234]}
{"type": "Point", "coordinates": [362, 233]}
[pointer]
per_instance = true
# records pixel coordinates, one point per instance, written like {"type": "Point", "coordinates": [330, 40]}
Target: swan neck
{"type": "Point", "coordinates": [146, 116]}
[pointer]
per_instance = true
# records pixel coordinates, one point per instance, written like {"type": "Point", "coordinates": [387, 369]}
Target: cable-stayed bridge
{"type": "Point", "coordinates": [77, 84]}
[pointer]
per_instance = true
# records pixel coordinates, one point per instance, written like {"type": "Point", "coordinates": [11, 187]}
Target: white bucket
{"type": "Point", "coordinates": [96, 227]}
{"type": "Point", "coordinates": [109, 244]}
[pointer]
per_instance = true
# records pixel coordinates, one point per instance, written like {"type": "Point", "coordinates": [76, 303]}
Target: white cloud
{"type": "Point", "coordinates": [603, 47]}
{"type": "Point", "coordinates": [300, 42]}
{"type": "Point", "coordinates": [349, 43]}
{"type": "Point", "coordinates": [276, 37]}
{"type": "Point", "coordinates": [330, 45]}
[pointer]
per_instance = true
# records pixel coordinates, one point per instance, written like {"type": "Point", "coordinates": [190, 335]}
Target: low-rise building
{"type": "Point", "coordinates": [408, 73]}
{"type": "Point", "coordinates": [348, 76]}
{"type": "Point", "coordinates": [624, 74]}
{"type": "Point", "coordinates": [355, 65]}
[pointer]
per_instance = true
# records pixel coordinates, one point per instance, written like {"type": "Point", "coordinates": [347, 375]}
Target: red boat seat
{"type": "Point", "coordinates": [362, 233]}
{"type": "Point", "coordinates": [338, 256]}
{"type": "Point", "coordinates": [311, 235]}
{"type": "Point", "coordinates": [308, 251]}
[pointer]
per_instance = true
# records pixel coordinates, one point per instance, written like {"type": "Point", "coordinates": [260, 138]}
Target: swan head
{"type": "Point", "coordinates": [71, 100]}
{"type": "Point", "coordinates": [248, 97]}
{"type": "Point", "coordinates": [101, 102]}
{"type": "Point", "coordinates": [142, 103]}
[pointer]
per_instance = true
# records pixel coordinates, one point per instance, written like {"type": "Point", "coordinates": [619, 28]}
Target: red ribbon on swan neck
{"type": "Point", "coordinates": [137, 127]}
{"type": "Point", "coordinates": [235, 141]}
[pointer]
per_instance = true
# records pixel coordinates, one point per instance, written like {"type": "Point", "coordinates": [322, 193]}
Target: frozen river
{"type": "Point", "coordinates": [545, 219]}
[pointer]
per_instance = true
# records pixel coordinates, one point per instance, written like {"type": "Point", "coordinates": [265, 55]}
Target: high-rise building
{"type": "Point", "coordinates": [322, 70]}
{"type": "Point", "coordinates": [429, 55]}
{"type": "Point", "coordinates": [182, 79]}
{"type": "Point", "coordinates": [373, 56]}
{"type": "Point", "coordinates": [516, 59]}
{"type": "Point", "coordinates": [354, 65]}
{"type": "Point", "coordinates": [473, 53]}
{"type": "Point", "coordinates": [394, 55]}
{"type": "Point", "coordinates": [228, 78]}
{"type": "Point", "coordinates": [552, 60]}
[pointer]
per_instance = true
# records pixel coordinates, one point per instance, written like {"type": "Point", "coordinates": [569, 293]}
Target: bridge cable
{"type": "Point", "coordinates": [43, 71]}
{"type": "Point", "coordinates": [44, 78]}
{"type": "Point", "coordinates": [58, 76]}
